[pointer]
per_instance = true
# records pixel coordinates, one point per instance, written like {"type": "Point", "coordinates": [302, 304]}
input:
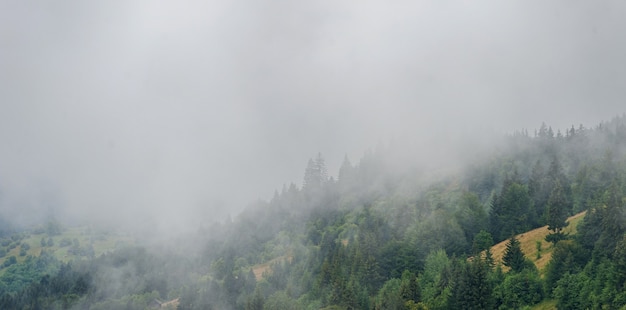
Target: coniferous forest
{"type": "Point", "coordinates": [371, 236]}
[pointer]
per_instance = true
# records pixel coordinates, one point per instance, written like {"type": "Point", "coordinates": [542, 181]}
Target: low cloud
{"type": "Point", "coordinates": [185, 112]}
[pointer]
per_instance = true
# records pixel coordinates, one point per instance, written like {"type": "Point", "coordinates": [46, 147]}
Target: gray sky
{"type": "Point", "coordinates": [179, 106]}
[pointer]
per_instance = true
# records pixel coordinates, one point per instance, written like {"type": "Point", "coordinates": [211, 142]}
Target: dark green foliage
{"type": "Point", "coordinates": [590, 229]}
{"type": "Point", "coordinates": [596, 287]}
{"type": "Point", "coordinates": [521, 289]}
{"type": "Point", "coordinates": [604, 225]}
{"type": "Point", "coordinates": [613, 220]}
{"type": "Point", "coordinates": [585, 188]}
{"type": "Point", "coordinates": [256, 301]}
{"type": "Point", "coordinates": [390, 296]}
{"type": "Point", "coordinates": [556, 178]}
{"type": "Point", "coordinates": [18, 276]}
{"type": "Point", "coordinates": [440, 231]}
{"type": "Point", "coordinates": [472, 289]}
{"type": "Point", "coordinates": [555, 237]}
{"type": "Point", "coordinates": [398, 257]}
{"type": "Point", "coordinates": [436, 279]}
{"type": "Point", "coordinates": [510, 211]}
{"type": "Point", "coordinates": [482, 242]}
{"type": "Point", "coordinates": [620, 262]}
{"type": "Point", "coordinates": [513, 256]}
{"type": "Point", "coordinates": [571, 292]}
{"type": "Point", "coordinates": [471, 216]}
{"type": "Point", "coordinates": [409, 287]}
{"type": "Point", "coordinates": [557, 213]}
{"type": "Point", "coordinates": [567, 257]}
{"type": "Point", "coordinates": [539, 191]}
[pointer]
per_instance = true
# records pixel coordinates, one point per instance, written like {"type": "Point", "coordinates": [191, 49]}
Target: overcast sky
{"type": "Point", "coordinates": [184, 105]}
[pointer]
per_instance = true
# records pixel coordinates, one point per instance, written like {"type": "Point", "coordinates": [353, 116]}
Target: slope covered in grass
{"type": "Point", "coordinates": [529, 241]}
{"type": "Point", "coordinates": [72, 243]}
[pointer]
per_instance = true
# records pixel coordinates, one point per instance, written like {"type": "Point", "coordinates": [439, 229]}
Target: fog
{"type": "Point", "coordinates": [178, 112]}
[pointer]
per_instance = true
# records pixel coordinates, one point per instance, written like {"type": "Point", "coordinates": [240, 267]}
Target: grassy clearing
{"type": "Point", "coordinates": [265, 268]}
{"type": "Point", "coordinates": [529, 241]}
{"type": "Point", "coordinates": [101, 242]}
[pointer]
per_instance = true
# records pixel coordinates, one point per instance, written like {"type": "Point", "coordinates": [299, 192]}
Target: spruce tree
{"type": "Point", "coordinates": [613, 225]}
{"type": "Point", "coordinates": [471, 288]}
{"type": "Point", "coordinates": [409, 288]}
{"type": "Point", "coordinates": [315, 174]}
{"type": "Point", "coordinates": [556, 214]}
{"type": "Point", "coordinates": [513, 256]}
{"type": "Point", "coordinates": [537, 190]}
{"type": "Point", "coordinates": [482, 241]}
{"type": "Point", "coordinates": [510, 211]}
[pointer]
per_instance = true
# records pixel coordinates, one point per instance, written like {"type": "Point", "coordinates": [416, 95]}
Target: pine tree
{"type": "Point", "coordinates": [311, 176]}
{"type": "Point", "coordinates": [510, 211]}
{"type": "Point", "coordinates": [409, 288]}
{"type": "Point", "coordinates": [489, 258]}
{"type": "Point", "coordinates": [482, 241]}
{"type": "Point", "coordinates": [345, 171]}
{"type": "Point", "coordinates": [557, 214]}
{"type": "Point", "coordinates": [472, 289]}
{"type": "Point", "coordinates": [513, 256]}
{"type": "Point", "coordinates": [555, 174]}
{"type": "Point", "coordinates": [620, 261]}
{"type": "Point", "coordinates": [255, 302]}
{"type": "Point", "coordinates": [537, 191]}
{"type": "Point", "coordinates": [613, 225]}
{"type": "Point", "coordinates": [315, 174]}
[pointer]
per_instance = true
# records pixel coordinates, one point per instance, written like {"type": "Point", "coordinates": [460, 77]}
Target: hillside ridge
{"type": "Point", "coordinates": [529, 240]}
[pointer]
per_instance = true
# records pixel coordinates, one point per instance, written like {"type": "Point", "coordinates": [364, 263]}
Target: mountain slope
{"type": "Point", "coordinates": [529, 241]}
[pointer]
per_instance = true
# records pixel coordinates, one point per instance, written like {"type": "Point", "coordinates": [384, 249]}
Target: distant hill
{"type": "Point", "coordinates": [382, 235]}
{"type": "Point", "coordinates": [70, 244]}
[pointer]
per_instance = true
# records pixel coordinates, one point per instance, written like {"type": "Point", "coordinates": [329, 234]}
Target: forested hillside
{"type": "Point", "coordinates": [378, 237]}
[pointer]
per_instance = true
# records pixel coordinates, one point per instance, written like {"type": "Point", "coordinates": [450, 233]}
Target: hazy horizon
{"type": "Point", "coordinates": [163, 111]}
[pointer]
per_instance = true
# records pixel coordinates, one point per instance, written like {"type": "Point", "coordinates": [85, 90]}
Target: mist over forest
{"type": "Point", "coordinates": [319, 155]}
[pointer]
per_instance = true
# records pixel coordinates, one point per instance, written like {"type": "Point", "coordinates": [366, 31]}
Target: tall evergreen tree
{"type": "Point", "coordinates": [409, 287]}
{"type": "Point", "coordinates": [537, 190]}
{"type": "Point", "coordinates": [556, 174]}
{"type": "Point", "coordinates": [482, 241]}
{"type": "Point", "coordinates": [346, 170]}
{"type": "Point", "coordinates": [471, 215]}
{"type": "Point", "coordinates": [315, 174]}
{"type": "Point", "coordinates": [255, 302]}
{"type": "Point", "coordinates": [612, 221]}
{"type": "Point", "coordinates": [557, 213]}
{"type": "Point", "coordinates": [513, 255]}
{"type": "Point", "coordinates": [472, 288]}
{"type": "Point", "coordinates": [509, 214]}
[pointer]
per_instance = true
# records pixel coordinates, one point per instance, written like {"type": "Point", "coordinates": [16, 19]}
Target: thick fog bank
{"type": "Point", "coordinates": [165, 114]}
